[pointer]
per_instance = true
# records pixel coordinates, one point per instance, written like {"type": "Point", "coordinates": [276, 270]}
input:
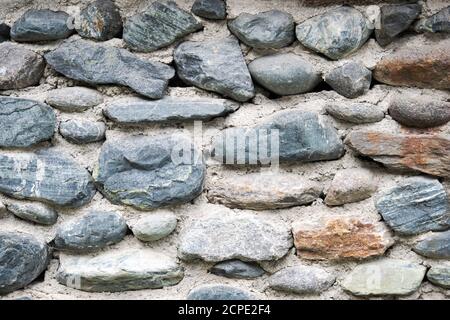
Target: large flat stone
{"type": "Point", "coordinates": [435, 245]}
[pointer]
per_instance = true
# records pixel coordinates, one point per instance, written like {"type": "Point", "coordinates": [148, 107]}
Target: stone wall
{"type": "Point", "coordinates": [89, 189]}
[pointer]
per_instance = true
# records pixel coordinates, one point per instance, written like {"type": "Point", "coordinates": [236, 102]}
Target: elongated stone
{"type": "Point", "coordinates": [4, 32]}
{"type": "Point", "coordinates": [111, 66]}
{"type": "Point", "coordinates": [210, 9]}
{"type": "Point", "coordinates": [440, 276]}
{"type": "Point", "coordinates": [438, 22]}
{"type": "Point", "coordinates": [435, 245]}
{"type": "Point", "coordinates": [154, 227]}
{"type": "Point", "coordinates": [34, 212]}
{"type": "Point", "coordinates": [237, 269]}
{"type": "Point", "coordinates": [74, 99]}
{"type": "Point", "coordinates": [350, 80]}
{"type": "Point", "coordinates": [219, 292]}
{"type": "Point", "coordinates": [82, 131]}
{"type": "Point", "coordinates": [358, 113]}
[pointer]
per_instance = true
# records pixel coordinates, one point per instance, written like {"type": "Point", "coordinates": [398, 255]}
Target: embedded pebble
{"type": "Point", "coordinates": [350, 80]}
{"type": "Point", "coordinates": [440, 276]}
{"type": "Point", "coordinates": [219, 292]}
{"type": "Point", "coordinates": [237, 269]}
{"type": "Point", "coordinates": [357, 113]}
{"type": "Point", "coordinates": [82, 131]}
{"type": "Point", "coordinates": [74, 99]}
{"type": "Point", "coordinates": [434, 245]}
{"type": "Point", "coordinates": [210, 9]}
{"type": "Point", "coordinates": [34, 212]}
{"type": "Point", "coordinates": [438, 22]}
{"type": "Point", "coordinates": [153, 227]}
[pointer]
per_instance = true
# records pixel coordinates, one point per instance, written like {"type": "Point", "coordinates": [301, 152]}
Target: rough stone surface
{"type": "Point", "coordinates": [74, 99]}
{"type": "Point", "coordinates": [350, 80]}
{"type": "Point", "coordinates": [435, 245]}
{"type": "Point", "coordinates": [4, 32]}
{"type": "Point", "coordinates": [439, 22]}
{"type": "Point", "coordinates": [237, 269]}
{"type": "Point", "coordinates": [210, 9]}
{"type": "Point", "coordinates": [440, 276]}
{"type": "Point", "coordinates": [219, 292]}
{"type": "Point", "coordinates": [34, 212]}
{"type": "Point", "coordinates": [154, 227]}
{"type": "Point", "coordinates": [357, 113]}
{"type": "Point", "coordinates": [82, 131]}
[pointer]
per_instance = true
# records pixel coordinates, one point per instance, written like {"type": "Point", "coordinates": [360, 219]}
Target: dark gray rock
{"type": "Point", "coordinates": [82, 131]}
{"type": "Point", "coordinates": [42, 25]}
{"type": "Point", "coordinates": [46, 176]}
{"type": "Point", "coordinates": [357, 113]}
{"type": "Point", "coordinates": [237, 269]}
{"type": "Point", "coordinates": [219, 292]}
{"type": "Point", "coordinates": [284, 74]}
{"type": "Point", "coordinates": [92, 231]}
{"type": "Point", "coordinates": [74, 99]}
{"type": "Point", "coordinates": [34, 212]}
{"type": "Point", "coordinates": [210, 9]}
{"type": "Point", "coordinates": [434, 246]}
{"type": "Point", "coordinates": [23, 258]}
{"type": "Point", "coordinates": [150, 172]}
{"type": "Point", "coordinates": [350, 80]}
{"type": "Point", "coordinates": [20, 67]}
{"type": "Point", "coordinates": [217, 66]}
{"type": "Point", "coordinates": [440, 276]}
{"type": "Point", "coordinates": [24, 122]}
{"type": "Point", "coordinates": [160, 25]}
{"type": "Point", "coordinates": [415, 206]}
{"type": "Point", "coordinates": [270, 29]}
{"type": "Point", "coordinates": [336, 33]}
{"type": "Point", "coordinates": [439, 22]}
{"type": "Point", "coordinates": [110, 66]}
{"type": "Point", "coordinates": [4, 32]}
{"type": "Point", "coordinates": [100, 20]}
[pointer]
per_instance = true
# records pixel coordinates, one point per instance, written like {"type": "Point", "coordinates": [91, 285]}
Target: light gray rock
{"type": "Point", "coordinates": [350, 80]}
{"type": "Point", "coordinates": [439, 22]}
{"type": "Point", "coordinates": [74, 99]}
{"type": "Point", "coordinates": [153, 227]}
{"type": "Point", "coordinates": [435, 245]}
{"type": "Point", "coordinates": [219, 292]}
{"type": "Point", "coordinates": [237, 269]}
{"type": "Point", "coordinates": [210, 9]}
{"type": "Point", "coordinates": [357, 113]}
{"type": "Point", "coordinates": [82, 131]}
{"type": "Point", "coordinates": [440, 276]}
{"type": "Point", "coordinates": [34, 212]}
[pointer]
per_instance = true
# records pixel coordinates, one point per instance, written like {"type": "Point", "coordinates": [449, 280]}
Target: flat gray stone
{"type": "Point", "coordinates": [440, 276]}
{"type": "Point", "coordinates": [435, 245]}
{"type": "Point", "coordinates": [439, 22]}
{"type": "Point", "coordinates": [153, 227]}
{"type": "Point", "coordinates": [237, 269]}
{"type": "Point", "coordinates": [4, 32]}
{"type": "Point", "coordinates": [82, 131]}
{"type": "Point", "coordinates": [284, 74]}
{"type": "Point", "coordinates": [215, 65]}
{"type": "Point", "coordinates": [74, 99]}
{"type": "Point", "coordinates": [210, 9]}
{"type": "Point", "coordinates": [111, 66]}
{"type": "Point", "coordinates": [219, 292]}
{"type": "Point", "coordinates": [350, 80]}
{"type": "Point", "coordinates": [34, 212]}
{"type": "Point", "coordinates": [357, 113]}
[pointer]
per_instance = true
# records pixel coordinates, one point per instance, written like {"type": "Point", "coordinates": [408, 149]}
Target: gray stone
{"type": "Point", "coordinates": [384, 277]}
{"type": "Point", "coordinates": [41, 25]}
{"type": "Point", "coordinates": [154, 227]}
{"type": "Point", "coordinates": [74, 99]}
{"type": "Point", "coordinates": [4, 32]}
{"type": "Point", "coordinates": [47, 176]}
{"type": "Point", "coordinates": [415, 206]}
{"type": "Point", "coordinates": [99, 20]}
{"type": "Point", "coordinates": [210, 9]}
{"type": "Point", "coordinates": [82, 131]}
{"type": "Point", "coordinates": [219, 292]}
{"type": "Point", "coordinates": [216, 65]}
{"type": "Point", "coordinates": [435, 245]}
{"type": "Point", "coordinates": [168, 109]}
{"type": "Point", "coordinates": [2, 209]}
{"type": "Point", "coordinates": [237, 269]}
{"type": "Point", "coordinates": [24, 123]}
{"type": "Point", "coordinates": [226, 235]}
{"type": "Point", "coordinates": [357, 113]}
{"type": "Point", "coordinates": [440, 276]}
{"type": "Point", "coordinates": [23, 258]}
{"type": "Point", "coordinates": [284, 74]}
{"type": "Point", "coordinates": [270, 29]}
{"type": "Point", "coordinates": [110, 66]}
{"type": "Point", "coordinates": [160, 25]}
{"type": "Point", "coordinates": [350, 80]}
{"type": "Point", "coordinates": [114, 271]}
{"type": "Point", "coordinates": [149, 172]}
{"type": "Point", "coordinates": [302, 280]}
{"type": "Point", "coordinates": [34, 212]}
{"type": "Point", "coordinates": [20, 67]}
{"type": "Point", "coordinates": [439, 22]}
{"type": "Point", "coordinates": [92, 231]}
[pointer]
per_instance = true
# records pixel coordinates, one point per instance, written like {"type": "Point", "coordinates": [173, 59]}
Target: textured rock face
{"type": "Point", "coordinates": [20, 67]}
{"type": "Point", "coordinates": [284, 74]}
{"type": "Point", "coordinates": [424, 153]}
{"type": "Point", "coordinates": [4, 32]}
{"type": "Point", "coordinates": [147, 172]}
{"type": "Point", "coordinates": [384, 277]}
{"type": "Point", "coordinates": [440, 276]}
{"type": "Point", "coordinates": [24, 123]}
{"type": "Point", "coordinates": [74, 99]}
{"type": "Point", "coordinates": [219, 292]}
{"type": "Point", "coordinates": [154, 227]}
{"type": "Point", "coordinates": [336, 33]}
{"type": "Point", "coordinates": [210, 9]}
{"type": "Point", "coordinates": [225, 236]}
{"type": "Point", "coordinates": [237, 269]}
{"type": "Point", "coordinates": [357, 113]}
{"type": "Point", "coordinates": [45, 176]}
{"type": "Point", "coordinates": [350, 80]}
{"type": "Point", "coordinates": [160, 25]}
{"type": "Point", "coordinates": [434, 246]}
{"type": "Point", "coordinates": [415, 206]}
{"type": "Point", "coordinates": [271, 29]}
{"type": "Point", "coordinates": [439, 22]}
{"type": "Point", "coordinates": [41, 25]}
{"type": "Point", "coordinates": [82, 131]}
{"type": "Point", "coordinates": [337, 238]}
{"type": "Point", "coordinates": [111, 66]}
{"type": "Point", "coordinates": [22, 260]}
{"type": "Point", "coordinates": [115, 271]}
{"type": "Point", "coordinates": [34, 212]}
{"type": "Point", "coordinates": [262, 192]}
{"type": "Point", "coordinates": [215, 65]}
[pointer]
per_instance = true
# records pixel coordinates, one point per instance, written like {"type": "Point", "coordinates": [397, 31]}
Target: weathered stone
{"type": "Point", "coordinates": [440, 276]}
{"type": "Point", "coordinates": [350, 185]}
{"type": "Point", "coordinates": [384, 277]}
{"type": "Point", "coordinates": [415, 206]}
{"type": "Point", "coordinates": [226, 235]}
{"type": "Point", "coordinates": [439, 22]}
{"type": "Point", "coordinates": [350, 80]}
{"type": "Point", "coordinates": [149, 172]}
{"type": "Point", "coordinates": [130, 269]}
{"type": "Point", "coordinates": [419, 111]}
{"type": "Point", "coordinates": [270, 29]}
{"type": "Point", "coordinates": [82, 131]}
{"type": "Point", "coordinates": [423, 67]}
{"type": "Point", "coordinates": [24, 123]}
{"type": "Point", "coordinates": [424, 153]}
{"type": "Point", "coordinates": [74, 99]}
{"type": "Point", "coordinates": [358, 113]}
{"type": "Point", "coordinates": [154, 227]}
{"type": "Point", "coordinates": [337, 238]}
{"type": "Point", "coordinates": [302, 280]}
{"type": "Point", "coordinates": [92, 231]}
{"type": "Point", "coordinates": [110, 66]}
{"type": "Point", "coordinates": [160, 25]}
{"type": "Point", "coordinates": [41, 25]}
{"type": "Point", "coordinates": [23, 258]}
{"type": "Point", "coordinates": [4, 32]}
{"type": "Point", "coordinates": [237, 269]}
{"type": "Point", "coordinates": [46, 176]}
{"type": "Point", "coordinates": [394, 19]}
{"type": "Point", "coordinates": [34, 212]}
{"type": "Point", "coordinates": [284, 74]}
{"type": "Point", "coordinates": [141, 111]}
{"type": "Point", "coordinates": [262, 192]}
{"type": "Point", "coordinates": [219, 292]}
{"type": "Point", "coordinates": [210, 9]}
{"type": "Point", "coordinates": [216, 65]}
{"type": "Point", "coordinates": [435, 245]}
{"type": "Point", "coordinates": [19, 67]}
{"type": "Point", "coordinates": [100, 20]}
{"type": "Point", "coordinates": [336, 33]}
